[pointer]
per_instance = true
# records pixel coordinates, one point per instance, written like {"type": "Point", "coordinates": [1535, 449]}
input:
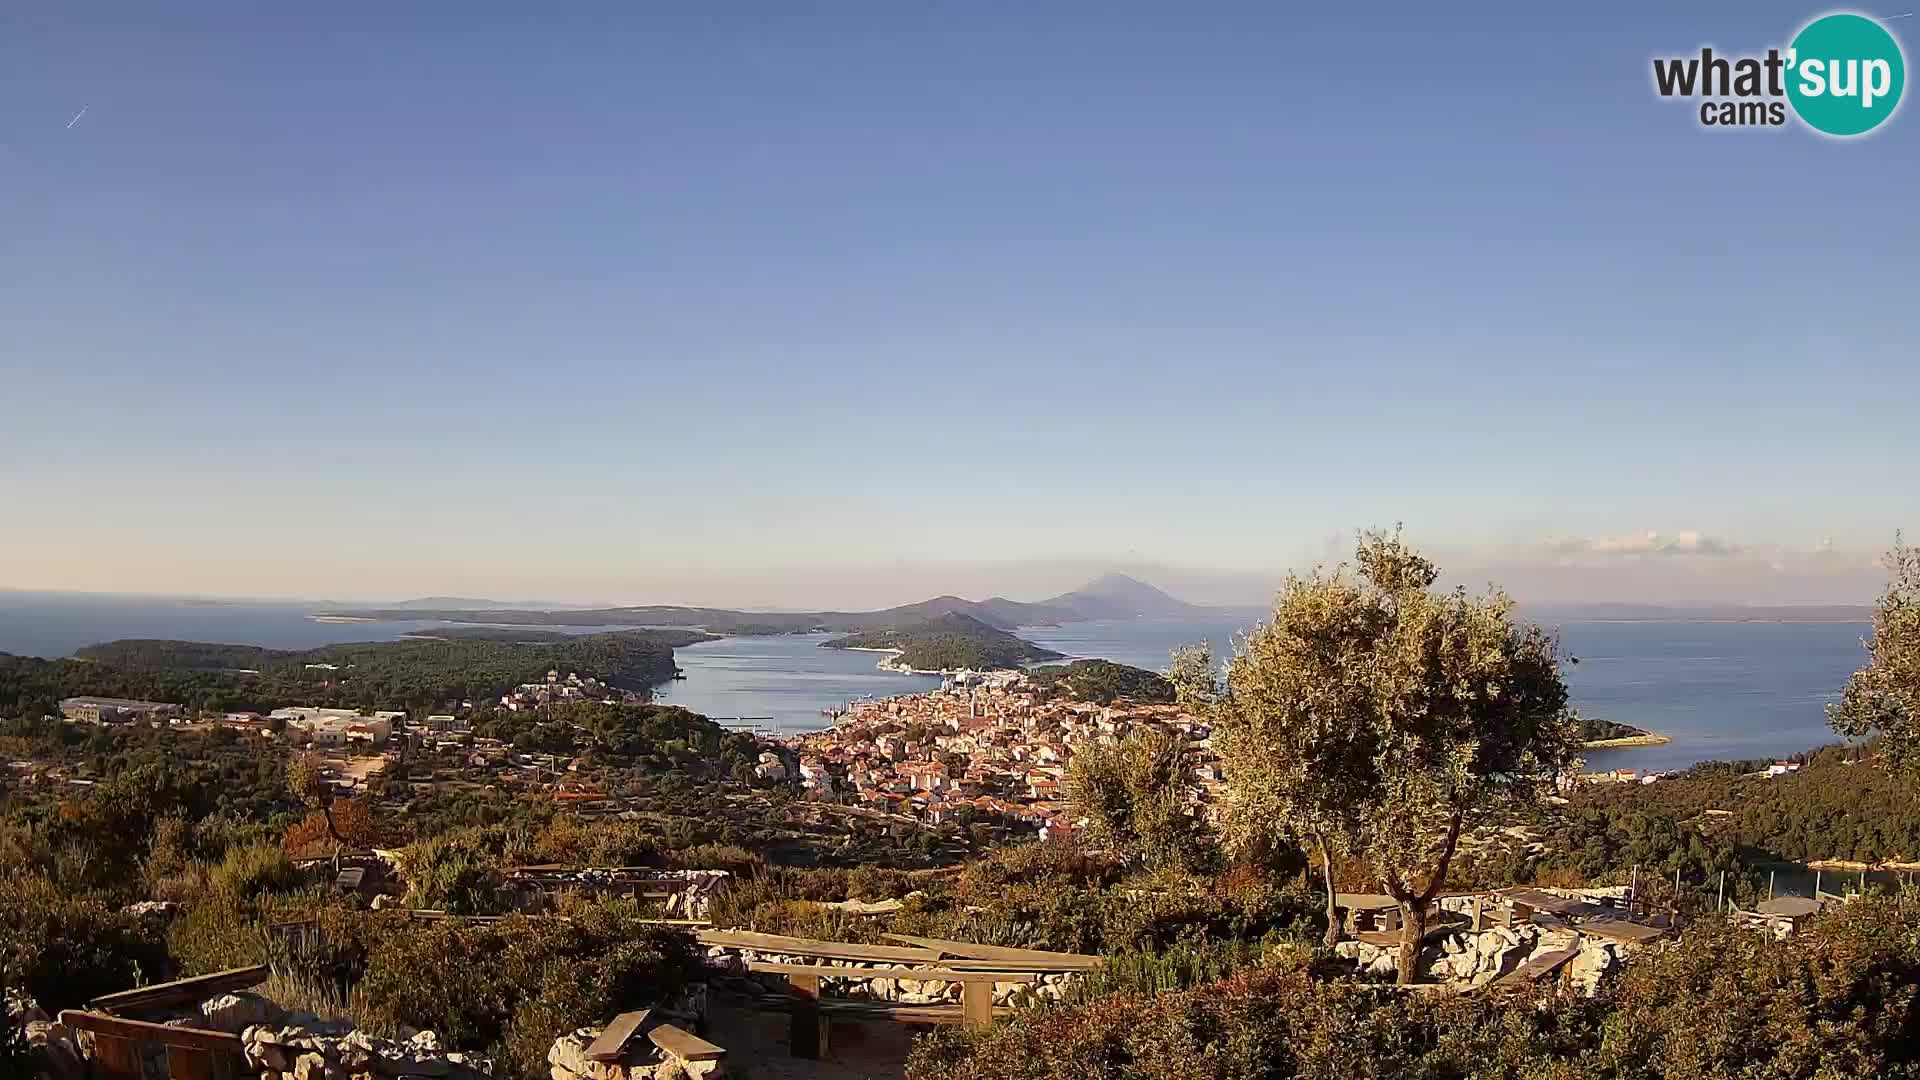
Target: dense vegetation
{"type": "Point", "coordinates": [388, 674]}
{"type": "Point", "coordinates": [1103, 682]}
{"type": "Point", "coordinates": [1593, 729]}
{"type": "Point", "coordinates": [651, 738]}
{"type": "Point", "coordinates": [948, 643]}
{"type": "Point", "coordinates": [1725, 1002]}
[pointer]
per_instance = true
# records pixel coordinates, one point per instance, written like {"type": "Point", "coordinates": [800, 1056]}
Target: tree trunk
{"type": "Point", "coordinates": [1413, 934]}
{"type": "Point", "coordinates": [1333, 909]}
{"type": "Point", "coordinates": [326, 811]}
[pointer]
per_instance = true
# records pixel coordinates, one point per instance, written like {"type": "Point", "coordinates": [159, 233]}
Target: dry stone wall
{"type": "Point", "coordinates": [1470, 960]}
{"type": "Point", "coordinates": [332, 1052]}
{"type": "Point", "coordinates": [730, 963]}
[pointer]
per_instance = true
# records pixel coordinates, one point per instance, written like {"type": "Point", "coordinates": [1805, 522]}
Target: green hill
{"type": "Point", "coordinates": [948, 642]}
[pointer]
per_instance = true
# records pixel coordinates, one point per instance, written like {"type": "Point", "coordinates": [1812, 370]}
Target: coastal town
{"type": "Point", "coordinates": [991, 744]}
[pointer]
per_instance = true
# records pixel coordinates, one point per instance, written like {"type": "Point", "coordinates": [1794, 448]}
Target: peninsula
{"type": "Point", "coordinates": [949, 642]}
{"type": "Point", "coordinates": [1608, 735]}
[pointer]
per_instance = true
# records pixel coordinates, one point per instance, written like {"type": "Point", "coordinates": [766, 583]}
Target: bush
{"type": "Point", "coordinates": [452, 873]}
{"type": "Point", "coordinates": [64, 950]}
{"type": "Point", "coordinates": [516, 985]}
{"type": "Point", "coordinates": [217, 931]}
{"type": "Point", "coordinates": [254, 869]}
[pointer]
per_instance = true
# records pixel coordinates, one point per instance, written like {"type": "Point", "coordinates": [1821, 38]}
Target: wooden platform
{"type": "Point", "coordinates": [1025, 959]}
{"type": "Point", "coordinates": [612, 1040]}
{"type": "Point", "coordinates": [918, 974]}
{"type": "Point", "coordinates": [1537, 967]}
{"type": "Point", "coordinates": [684, 1044]}
{"type": "Point", "coordinates": [830, 950]}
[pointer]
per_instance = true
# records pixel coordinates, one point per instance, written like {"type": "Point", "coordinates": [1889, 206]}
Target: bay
{"type": "Point", "coordinates": [1719, 689]}
{"type": "Point", "coordinates": [780, 682]}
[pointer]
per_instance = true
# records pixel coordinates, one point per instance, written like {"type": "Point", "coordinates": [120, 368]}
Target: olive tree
{"type": "Point", "coordinates": [307, 782]}
{"type": "Point", "coordinates": [1376, 715]}
{"type": "Point", "coordinates": [1882, 699]}
{"type": "Point", "coordinates": [1133, 797]}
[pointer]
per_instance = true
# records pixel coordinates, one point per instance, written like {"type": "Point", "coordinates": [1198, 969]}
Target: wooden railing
{"type": "Point", "coordinates": [120, 1043]}
{"type": "Point", "coordinates": [192, 1054]}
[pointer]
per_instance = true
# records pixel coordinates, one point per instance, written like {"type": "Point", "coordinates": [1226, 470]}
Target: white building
{"type": "Point", "coordinates": [337, 727]}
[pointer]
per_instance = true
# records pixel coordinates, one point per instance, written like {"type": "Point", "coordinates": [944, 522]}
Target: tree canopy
{"type": "Point", "coordinates": [1883, 698]}
{"type": "Point", "coordinates": [1377, 715]}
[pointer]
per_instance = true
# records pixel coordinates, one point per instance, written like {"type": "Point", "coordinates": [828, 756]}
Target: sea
{"type": "Point", "coordinates": [1719, 690]}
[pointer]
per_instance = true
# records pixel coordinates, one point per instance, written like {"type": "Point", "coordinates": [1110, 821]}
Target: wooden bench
{"type": "Point", "coordinates": [809, 1011]}
{"type": "Point", "coordinates": [975, 967]}
{"type": "Point", "coordinates": [192, 1054]}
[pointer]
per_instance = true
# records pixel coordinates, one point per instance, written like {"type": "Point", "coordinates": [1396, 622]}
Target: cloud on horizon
{"type": "Point", "coordinates": [1686, 542]}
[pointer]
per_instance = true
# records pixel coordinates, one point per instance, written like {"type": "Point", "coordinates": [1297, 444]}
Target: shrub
{"type": "Point", "coordinates": [64, 950]}
{"type": "Point", "coordinates": [517, 984]}
{"type": "Point", "coordinates": [452, 873]}
{"type": "Point", "coordinates": [216, 932]}
{"type": "Point", "coordinates": [251, 870]}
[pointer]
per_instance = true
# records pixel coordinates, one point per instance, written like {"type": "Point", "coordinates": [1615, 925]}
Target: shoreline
{"type": "Point", "coordinates": [891, 666]}
{"type": "Point", "coordinates": [1628, 742]}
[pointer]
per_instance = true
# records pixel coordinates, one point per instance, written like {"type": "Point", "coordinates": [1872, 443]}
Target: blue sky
{"type": "Point", "coordinates": [633, 303]}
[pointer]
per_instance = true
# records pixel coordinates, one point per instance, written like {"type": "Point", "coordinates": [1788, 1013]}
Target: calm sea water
{"type": "Point", "coordinates": [1720, 690]}
{"type": "Point", "coordinates": [780, 682]}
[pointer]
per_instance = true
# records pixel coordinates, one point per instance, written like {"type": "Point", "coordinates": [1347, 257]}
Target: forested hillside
{"type": "Point", "coordinates": [386, 674]}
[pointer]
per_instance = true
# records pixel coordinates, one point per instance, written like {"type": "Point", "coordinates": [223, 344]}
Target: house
{"type": "Point", "coordinates": [931, 775]}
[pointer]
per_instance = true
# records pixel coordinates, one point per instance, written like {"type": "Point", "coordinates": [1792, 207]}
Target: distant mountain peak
{"type": "Point", "coordinates": [1118, 596]}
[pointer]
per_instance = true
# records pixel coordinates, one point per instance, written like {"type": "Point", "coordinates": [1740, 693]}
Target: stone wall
{"type": "Point", "coordinates": [1469, 960]}
{"type": "Point", "coordinates": [334, 1052]}
{"type": "Point", "coordinates": [60, 1051]}
{"type": "Point", "coordinates": [730, 963]}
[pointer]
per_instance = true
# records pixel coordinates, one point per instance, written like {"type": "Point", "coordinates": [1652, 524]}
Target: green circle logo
{"type": "Point", "coordinates": [1845, 74]}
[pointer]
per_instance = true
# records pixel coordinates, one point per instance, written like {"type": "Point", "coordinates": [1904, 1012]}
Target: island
{"type": "Point", "coordinates": [946, 643]}
{"type": "Point", "coordinates": [1608, 735]}
{"type": "Point", "coordinates": [1103, 682]}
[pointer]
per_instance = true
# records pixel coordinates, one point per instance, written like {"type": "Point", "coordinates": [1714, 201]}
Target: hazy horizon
{"type": "Point", "coordinates": [1665, 579]}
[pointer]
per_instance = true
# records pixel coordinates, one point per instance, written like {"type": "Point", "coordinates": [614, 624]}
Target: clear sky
{"type": "Point", "coordinates": [615, 303]}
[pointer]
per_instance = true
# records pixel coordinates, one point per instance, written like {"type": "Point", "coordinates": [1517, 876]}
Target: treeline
{"type": "Point", "coordinates": [1842, 804]}
{"type": "Point", "coordinates": [650, 738]}
{"type": "Point", "coordinates": [1593, 729]}
{"type": "Point", "coordinates": [1103, 682]}
{"type": "Point", "coordinates": [386, 674]}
